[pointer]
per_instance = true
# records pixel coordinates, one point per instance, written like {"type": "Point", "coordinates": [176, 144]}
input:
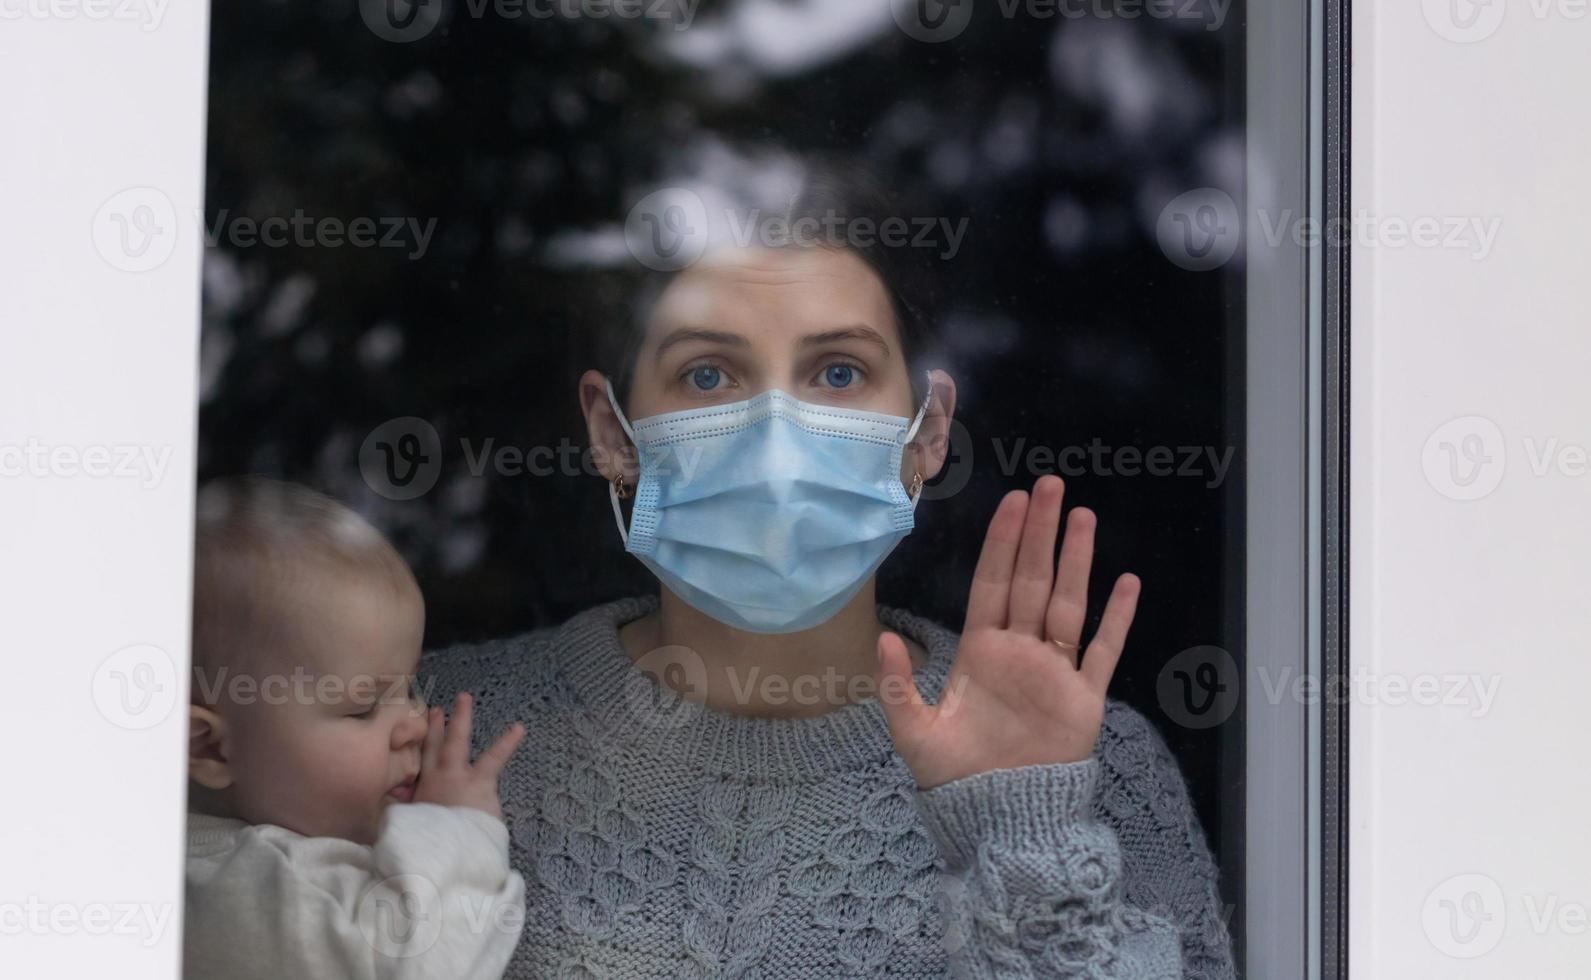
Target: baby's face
{"type": "Point", "coordinates": [343, 741]}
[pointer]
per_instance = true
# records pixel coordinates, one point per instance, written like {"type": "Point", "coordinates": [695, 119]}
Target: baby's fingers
{"type": "Point", "coordinates": [492, 761]}
{"type": "Point", "coordinates": [431, 748]}
{"type": "Point", "coordinates": [456, 746]}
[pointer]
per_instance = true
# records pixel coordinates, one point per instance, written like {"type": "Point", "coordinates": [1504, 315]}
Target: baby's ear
{"type": "Point", "coordinates": [207, 763]}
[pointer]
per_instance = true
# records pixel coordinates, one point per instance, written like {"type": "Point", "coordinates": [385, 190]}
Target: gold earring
{"type": "Point", "coordinates": [620, 488]}
{"type": "Point", "coordinates": [917, 485]}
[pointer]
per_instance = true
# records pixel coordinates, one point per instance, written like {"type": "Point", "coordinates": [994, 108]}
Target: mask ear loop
{"type": "Point", "coordinates": [911, 433]}
{"type": "Point", "coordinates": [613, 490]}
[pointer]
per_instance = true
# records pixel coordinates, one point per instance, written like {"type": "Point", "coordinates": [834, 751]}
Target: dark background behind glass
{"type": "Point", "coordinates": [1060, 141]}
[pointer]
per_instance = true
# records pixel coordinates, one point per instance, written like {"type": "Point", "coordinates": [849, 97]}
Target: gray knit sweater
{"type": "Point", "coordinates": [660, 839]}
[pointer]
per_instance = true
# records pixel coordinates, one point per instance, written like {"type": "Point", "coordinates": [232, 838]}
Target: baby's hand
{"type": "Point", "coordinates": [446, 775]}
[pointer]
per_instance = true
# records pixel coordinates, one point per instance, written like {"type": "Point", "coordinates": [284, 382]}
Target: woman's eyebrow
{"type": "Point", "coordinates": [865, 334]}
{"type": "Point", "coordinates": [696, 333]}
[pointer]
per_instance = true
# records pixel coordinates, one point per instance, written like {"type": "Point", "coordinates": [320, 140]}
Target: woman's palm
{"type": "Point", "coordinates": [1014, 696]}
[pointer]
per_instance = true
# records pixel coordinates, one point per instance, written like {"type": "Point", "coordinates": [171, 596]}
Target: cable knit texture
{"type": "Point", "coordinates": [660, 839]}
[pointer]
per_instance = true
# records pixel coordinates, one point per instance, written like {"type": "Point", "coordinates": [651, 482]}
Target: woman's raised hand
{"type": "Point", "coordinates": [1015, 697]}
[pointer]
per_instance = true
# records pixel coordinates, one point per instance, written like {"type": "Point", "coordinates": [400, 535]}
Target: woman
{"type": "Point", "coordinates": [762, 773]}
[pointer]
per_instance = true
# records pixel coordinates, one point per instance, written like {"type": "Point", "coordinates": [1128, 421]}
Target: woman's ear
{"type": "Point", "coordinates": [611, 451]}
{"type": "Point", "coordinates": [932, 444]}
{"type": "Point", "coordinates": [207, 761]}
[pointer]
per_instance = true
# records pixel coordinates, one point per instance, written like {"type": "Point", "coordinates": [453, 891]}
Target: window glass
{"type": "Point", "coordinates": [425, 221]}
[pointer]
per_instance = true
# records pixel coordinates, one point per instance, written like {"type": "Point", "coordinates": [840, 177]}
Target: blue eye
{"type": "Point", "coordinates": [706, 378]}
{"type": "Point", "coordinates": [839, 375]}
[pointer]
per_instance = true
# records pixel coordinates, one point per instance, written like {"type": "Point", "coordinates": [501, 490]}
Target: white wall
{"type": "Point", "coordinates": [1470, 851]}
{"type": "Point", "coordinates": [97, 401]}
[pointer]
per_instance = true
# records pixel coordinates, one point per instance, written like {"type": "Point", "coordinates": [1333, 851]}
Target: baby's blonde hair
{"type": "Point", "coordinates": [257, 543]}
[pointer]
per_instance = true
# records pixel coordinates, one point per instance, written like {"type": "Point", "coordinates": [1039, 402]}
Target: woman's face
{"type": "Point", "coordinates": [815, 323]}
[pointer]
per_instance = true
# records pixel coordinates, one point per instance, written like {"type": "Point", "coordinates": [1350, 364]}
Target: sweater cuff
{"type": "Point", "coordinates": [1024, 808]}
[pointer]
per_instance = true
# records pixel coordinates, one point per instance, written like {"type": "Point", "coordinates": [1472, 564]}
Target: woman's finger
{"type": "Point", "coordinates": [456, 746]}
{"type": "Point", "coordinates": [905, 711]}
{"type": "Point", "coordinates": [1099, 660]}
{"type": "Point", "coordinates": [496, 756]}
{"type": "Point", "coordinates": [1034, 577]}
{"type": "Point", "coordinates": [990, 598]}
{"type": "Point", "coordinates": [1069, 602]}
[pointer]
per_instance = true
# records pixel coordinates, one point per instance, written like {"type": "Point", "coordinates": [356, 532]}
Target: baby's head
{"type": "Point", "coordinates": [307, 628]}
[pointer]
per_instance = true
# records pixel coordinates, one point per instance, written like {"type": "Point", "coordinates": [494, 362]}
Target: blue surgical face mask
{"type": "Point", "coordinates": [768, 514]}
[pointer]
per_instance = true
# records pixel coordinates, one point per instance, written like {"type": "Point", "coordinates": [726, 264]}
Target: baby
{"type": "Point", "coordinates": [336, 826]}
